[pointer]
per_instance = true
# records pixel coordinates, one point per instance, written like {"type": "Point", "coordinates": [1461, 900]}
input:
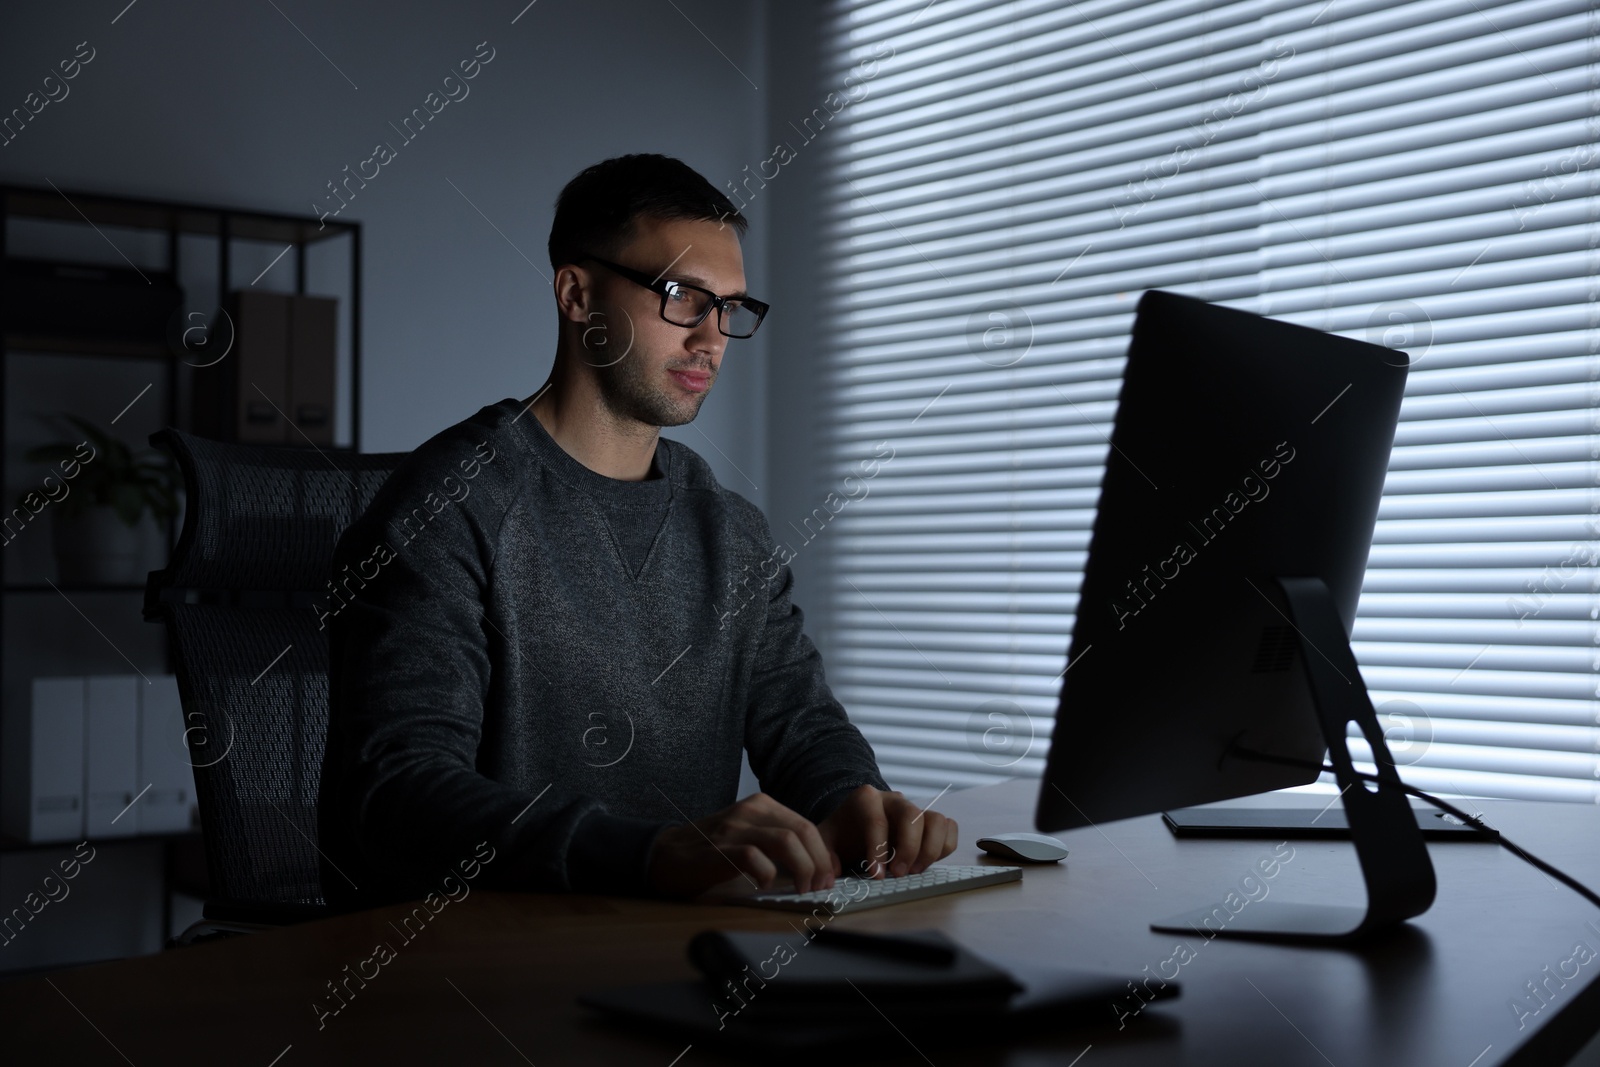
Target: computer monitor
{"type": "Point", "coordinates": [1210, 653]}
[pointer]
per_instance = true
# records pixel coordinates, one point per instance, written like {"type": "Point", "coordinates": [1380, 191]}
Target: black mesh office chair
{"type": "Point", "coordinates": [253, 558]}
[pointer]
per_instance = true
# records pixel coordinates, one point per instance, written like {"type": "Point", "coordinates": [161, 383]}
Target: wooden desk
{"type": "Point", "coordinates": [491, 979]}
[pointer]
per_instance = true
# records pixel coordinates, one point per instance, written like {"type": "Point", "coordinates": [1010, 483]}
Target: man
{"type": "Point", "coordinates": [553, 631]}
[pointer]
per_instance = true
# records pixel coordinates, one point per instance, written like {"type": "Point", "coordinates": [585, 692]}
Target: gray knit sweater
{"type": "Point", "coordinates": [528, 653]}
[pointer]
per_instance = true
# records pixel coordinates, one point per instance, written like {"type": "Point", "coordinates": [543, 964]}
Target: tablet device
{"type": "Point", "coordinates": [1326, 823]}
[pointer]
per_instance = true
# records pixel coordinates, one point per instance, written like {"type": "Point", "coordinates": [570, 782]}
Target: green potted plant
{"type": "Point", "coordinates": [99, 529]}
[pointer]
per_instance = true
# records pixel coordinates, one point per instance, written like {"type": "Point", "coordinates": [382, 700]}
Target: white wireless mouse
{"type": "Point", "coordinates": [1036, 848]}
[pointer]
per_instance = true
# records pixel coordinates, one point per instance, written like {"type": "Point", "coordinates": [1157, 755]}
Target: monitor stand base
{"type": "Point", "coordinates": [1269, 921]}
{"type": "Point", "coordinates": [1394, 859]}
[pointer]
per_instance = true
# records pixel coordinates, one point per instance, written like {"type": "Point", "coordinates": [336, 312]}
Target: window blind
{"type": "Point", "coordinates": [1004, 183]}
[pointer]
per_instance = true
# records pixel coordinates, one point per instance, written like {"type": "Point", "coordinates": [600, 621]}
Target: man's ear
{"type": "Point", "coordinates": [574, 294]}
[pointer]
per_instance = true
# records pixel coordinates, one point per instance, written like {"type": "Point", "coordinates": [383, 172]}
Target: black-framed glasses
{"type": "Point", "coordinates": [688, 305]}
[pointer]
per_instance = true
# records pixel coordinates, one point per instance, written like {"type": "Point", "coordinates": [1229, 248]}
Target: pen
{"type": "Point", "coordinates": [904, 948]}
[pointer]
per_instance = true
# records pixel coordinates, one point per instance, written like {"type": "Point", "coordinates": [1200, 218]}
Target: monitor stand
{"type": "Point", "coordinates": [1394, 860]}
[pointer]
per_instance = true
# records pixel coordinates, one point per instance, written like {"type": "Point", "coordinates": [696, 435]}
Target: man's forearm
{"type": "Point", "coordinates": [417, 822]}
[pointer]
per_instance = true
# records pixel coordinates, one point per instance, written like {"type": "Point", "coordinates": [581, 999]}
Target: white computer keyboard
{"type": "Point", "coordinates": [853, 894]}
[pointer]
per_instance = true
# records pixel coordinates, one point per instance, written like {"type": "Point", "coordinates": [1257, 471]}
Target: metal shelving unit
{"type": "Point", "coordinates": [171, 222]}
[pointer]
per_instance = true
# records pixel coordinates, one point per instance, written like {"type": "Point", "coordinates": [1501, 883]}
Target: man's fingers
{"type": "Point", "coordinates": [935, 838]}
{"type": "Point", "coordinates": [811, 841]}
{"type": "Point", "coordinates": [907, 838]}
{"type": "Point", "coordinates": [751, 859]}
{"type": "Point", "coordinates": [822, 857]}
{"type": "Point", "coordinates": [788, 850]}
{"type": "Point", "coordinates": [768, 812]}
{"type": "Point", "coordinates": [765, 839]}
{"type": "Point", "coordinates": [875, 839]}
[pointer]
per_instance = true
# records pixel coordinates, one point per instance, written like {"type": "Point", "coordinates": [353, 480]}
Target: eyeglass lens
{"type": "Point", "coordinates": [686, 306]}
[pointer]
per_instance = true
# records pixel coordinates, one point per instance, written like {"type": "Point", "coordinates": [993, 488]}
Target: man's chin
{"type": "Point", "coordinates": [682, 416]}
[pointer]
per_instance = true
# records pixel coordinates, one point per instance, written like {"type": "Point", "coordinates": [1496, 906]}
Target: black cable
{"type": "Point", "coordinates": [1471, 820]}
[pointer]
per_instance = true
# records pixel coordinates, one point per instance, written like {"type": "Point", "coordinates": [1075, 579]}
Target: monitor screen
{"type": "Point", "coordinates": [1245, 450]}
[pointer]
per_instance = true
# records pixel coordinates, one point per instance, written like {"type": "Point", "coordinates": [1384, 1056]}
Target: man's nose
{"type": "Point", "coordinates": [705, 339]}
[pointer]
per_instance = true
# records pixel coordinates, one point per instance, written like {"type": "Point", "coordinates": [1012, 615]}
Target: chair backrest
{"type": "Point", "coordinates": [254, 556]}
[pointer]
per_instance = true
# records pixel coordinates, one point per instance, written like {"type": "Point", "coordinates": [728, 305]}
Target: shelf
{"type": "Point", "coordinates": [102, 347]}
{"type": "Point", "coordinates": [146, 335]}
{"type": "Point", "coordinates": [33, 202]}
{"type": "Point", "coordinates": [45, 587]}
{"type": "Point", "coordinates": [16, 844]}
{"type": "Point", "coordinates": [146, 342]}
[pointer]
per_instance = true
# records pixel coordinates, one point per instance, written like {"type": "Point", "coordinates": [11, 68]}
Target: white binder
{"type": "Point", "coordinates": [111, 755]}
{"type": "Point", "coordinates": [43, 796]}
{"type": "Point", "coordinates": [163, 760]}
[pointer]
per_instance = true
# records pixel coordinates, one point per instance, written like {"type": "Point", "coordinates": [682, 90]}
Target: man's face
{"type": "Point", "coordinates": [648, 369]}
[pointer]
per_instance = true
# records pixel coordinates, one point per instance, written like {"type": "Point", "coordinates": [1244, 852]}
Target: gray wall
{"type": "Point", "coordinates": [792, 213]}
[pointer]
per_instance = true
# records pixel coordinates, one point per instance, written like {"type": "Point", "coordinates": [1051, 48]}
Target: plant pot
{"type": "Point", "coordinates": [96, 547]}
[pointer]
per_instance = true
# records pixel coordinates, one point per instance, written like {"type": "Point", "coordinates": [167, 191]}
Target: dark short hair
{"type": "Point", "coordinates": [597, 210]}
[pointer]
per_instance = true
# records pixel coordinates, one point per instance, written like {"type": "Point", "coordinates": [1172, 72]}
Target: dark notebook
{"type": "Point", "coordinates": [816, 997]}
{"type": "Point", "coordinates": [804, 964]}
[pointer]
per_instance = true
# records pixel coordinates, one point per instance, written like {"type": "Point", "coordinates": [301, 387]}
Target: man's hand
{"type": "Point", "coordinates": [755, 838]}
{"type": "Point", "coordinates": [884, 833]}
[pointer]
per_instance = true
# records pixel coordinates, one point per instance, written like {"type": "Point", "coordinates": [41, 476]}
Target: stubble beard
{"type": "Point", "coordinates": [630, 391]}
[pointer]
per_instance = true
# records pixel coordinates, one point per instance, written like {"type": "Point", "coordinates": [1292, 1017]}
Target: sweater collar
{"type": "Point", "coordinates": [653, 491]}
